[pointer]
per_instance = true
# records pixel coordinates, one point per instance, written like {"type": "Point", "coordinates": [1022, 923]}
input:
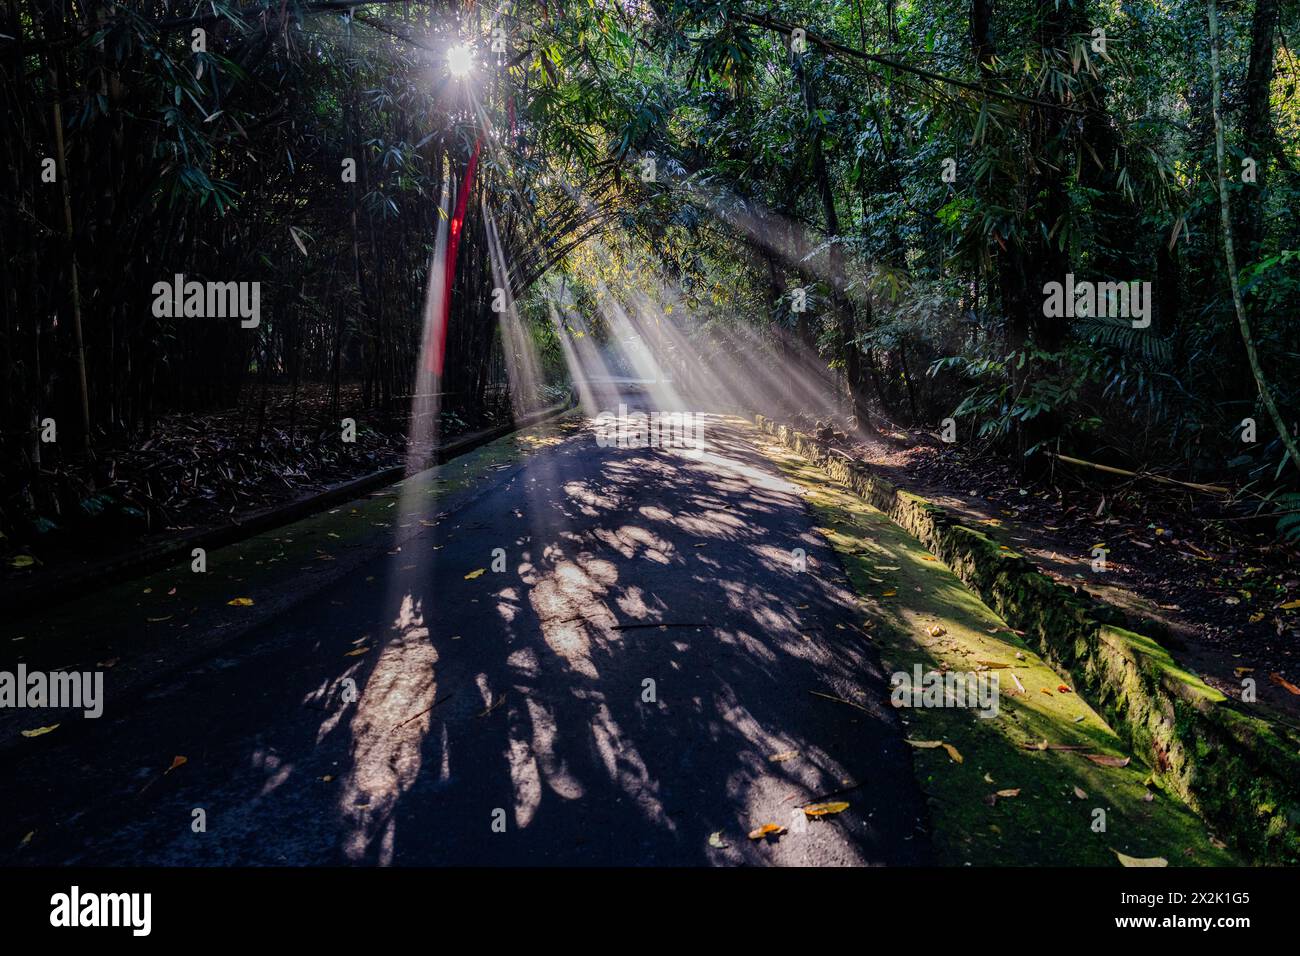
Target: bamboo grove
{"type": "Point", "coordinates": [915, 174]}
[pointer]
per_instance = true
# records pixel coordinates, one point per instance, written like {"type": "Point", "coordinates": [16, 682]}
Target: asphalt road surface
{"type": "Point", "coordinates": [641, 685]}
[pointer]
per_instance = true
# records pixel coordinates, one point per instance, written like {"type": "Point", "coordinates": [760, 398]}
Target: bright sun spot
{"type": "Point", "coordinates": [459, 60]}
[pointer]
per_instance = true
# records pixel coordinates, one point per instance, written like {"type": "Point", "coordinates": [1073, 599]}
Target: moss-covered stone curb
{"type": "Point", "coordinates": [1239, 772]}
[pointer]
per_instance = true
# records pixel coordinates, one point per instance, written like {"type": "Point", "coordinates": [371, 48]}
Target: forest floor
{"type": "Point", "coordinates": [200, 471]}
{"type": "Point", "coordinates": [1228, 597]}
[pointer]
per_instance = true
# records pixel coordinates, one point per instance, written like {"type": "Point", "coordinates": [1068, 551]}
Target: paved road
{"type": "Point", "coordinates": [518, 700]}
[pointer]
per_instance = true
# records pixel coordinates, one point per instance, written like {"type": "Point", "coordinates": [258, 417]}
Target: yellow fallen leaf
{"type": "Point", "coordinates": [783, 756]}
{"type": "Point", "coordinates": [27, 839]}
{"type": "Point", "coordinates": [1009, 793]}
{"type": "Point", "coordinates": [890, 593]}
{"type": "Point", "coordinates": [953, 752]}
{"type": "Point", "coordinates": [40, 730]}
{"type": "Point", "coordinates": [22, 561]}
{"type": "Point", "coordinates": [715, 840]}
{"type": "Point", "coordinates": [767, 829]}
{"type": "Point", "coordinates": [1106, 760]}
{"type": "Point", "coordinates": [474, 574]}
{"type": "Point", "coordinates": [926, 744]}
{"type": "Point", "coordinates": [241, 602]}
{"type": "Point", "coordinates": [1288, 606]}
{"type": "Point", "coordinates": [1256, 617]}
{"type": "Point", "coordinates": [327, 778]}
{"type": "Point", "coordinates": [1136, 861]}
{"type": "Point", "coordinates": [356, 653]}
{"type": "Point", "coordinates": [825, 809]}
{"type": "Point", "coordinates": [938, 631]}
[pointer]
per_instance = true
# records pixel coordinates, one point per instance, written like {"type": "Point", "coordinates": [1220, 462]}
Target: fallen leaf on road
{"type": "Point", "coordinates": [22, 561]}
{"type": "Point", "coordinates": [474, 574]}
{"type": "Point", "coordinates": [715, 840]}
{"type": "Point", "coordinates": [178, 762]}
{"type": "Point", "coordinates": [953, 752]}
{"type": "Point", "coordinates": [1289, 606]}
{"type": "Point", "coordinates": [824, 809]}
{"type": "Point", "coordinates": [767, 829]}
{"type": "Point", "coordinates": [1063, 689]}
{"type": "Point", "coordinates": [1081, 793]}
{"type": "Point", "coordinates": [356, 653]}
{"type": "Point", "coordinates": [39, 731]}
{"type": "Point", "coordinates": [1136, 861]}
{"type": "Point", "coordinates": [1009, 793]}
{"type": "Point", "coordinates": [159, 620]}
{"type": "Point", "coordinates": [240, 602]}
{"type": "Point", "coordinates": [890, 593]}
{"type": "Point", "coordinates": [937, 631]}
{"type": "Point", "coordinates": [27, 839]}
{"type": "Point", "coordinates": [1284, 683]}
{"type": "Point", "coordinates": [926, 744]}
{"type": "Point", "coordinates": [783, 756]}
{"type": "Point", "coordinates": [1105, 760]}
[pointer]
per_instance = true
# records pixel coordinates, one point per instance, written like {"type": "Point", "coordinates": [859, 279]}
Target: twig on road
{"type": "Point", "coordinates": [839, 700]}
{"type": "Point", "coordinates": [426, 710]}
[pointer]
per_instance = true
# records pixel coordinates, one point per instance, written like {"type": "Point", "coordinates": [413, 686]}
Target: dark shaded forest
{"type": "Point", "coordinates": [871, 196]}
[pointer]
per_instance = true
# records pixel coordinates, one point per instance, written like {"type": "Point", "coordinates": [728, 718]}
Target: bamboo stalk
{"type": "Point", "coordinates": [72, 251]}
{"type": "Point", "coordinates": [1112, 470]}
{"type": "Point", "coordinates": [1230, 255]}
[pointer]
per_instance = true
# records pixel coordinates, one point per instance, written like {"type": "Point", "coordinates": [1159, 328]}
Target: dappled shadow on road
{"type": "Point", "coordinates": [666, 622]}
{"type": "Point", "coordinates": [614, 694]}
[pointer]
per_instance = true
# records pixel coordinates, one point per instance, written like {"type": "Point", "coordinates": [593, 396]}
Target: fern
{"type": "Point", "coordinates": [1119, 334]}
